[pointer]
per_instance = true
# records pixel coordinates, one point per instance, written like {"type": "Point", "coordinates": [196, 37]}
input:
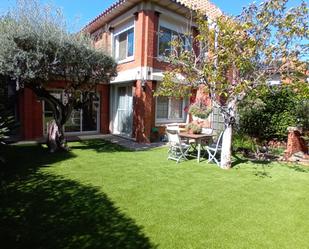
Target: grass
{"type": "Point", "coordinates": [102, 196]}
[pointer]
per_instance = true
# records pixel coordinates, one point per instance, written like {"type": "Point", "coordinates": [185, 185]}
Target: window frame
{"type": "Point", "coordinates": [217, 120]}
{"type": "Point", "coordinates": [168, 119]}
{"type": "Point", "coordinates": [173, 33]}
{"type": "Point", "coordinates": [61, 93]}
{"type": "Point", "coordinates": [115, 44]}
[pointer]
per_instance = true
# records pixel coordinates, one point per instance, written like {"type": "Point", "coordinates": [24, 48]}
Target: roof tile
{"type": "Point", "coordinates": [205, 6]}
{"type": "Point", "coordinates": [211, 10]}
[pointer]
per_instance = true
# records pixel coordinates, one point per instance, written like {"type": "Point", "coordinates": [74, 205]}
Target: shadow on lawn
{"type": "Point", "coordinates": [297, 168]}
{"type": "Point", "coordinates": [41, 210]}
{"type": "Point", "coordinates": [238, 160]}
{"type": "Point", "coordinates": [21, 160]}
{"type": "Point", "coordinates": [260, 170]}
{"type": "Point", "coordinates": [100, 145]}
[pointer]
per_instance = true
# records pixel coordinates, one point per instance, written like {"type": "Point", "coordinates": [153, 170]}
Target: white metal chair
{"type": "Point", "coordinates": [214, 149]}
{"type": "Point", "coordinates": [178, 150]}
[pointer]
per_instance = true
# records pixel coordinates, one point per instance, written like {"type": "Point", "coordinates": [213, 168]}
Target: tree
{"type": "Point", "coordinates": [6, 117]}
{"type": "Point", "coordinates": [232, 56]}
{"type": "Point", "coordinates": [36, 49]}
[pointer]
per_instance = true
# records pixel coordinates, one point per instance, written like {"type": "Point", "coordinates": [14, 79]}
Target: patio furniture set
{"type": "Point", "coordinates": [183, 145]}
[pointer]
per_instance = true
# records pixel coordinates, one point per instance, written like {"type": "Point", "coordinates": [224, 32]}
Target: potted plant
{"type": "Point", "coordinates": [199, 110]}
{"type": "Point", "coordinates": [193, 128]}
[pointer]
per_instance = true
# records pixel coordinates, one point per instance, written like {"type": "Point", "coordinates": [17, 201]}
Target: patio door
{"type": "Point", "coordinates": [83, 120]}
{"type": "Point", "coordinates": [123, 111]}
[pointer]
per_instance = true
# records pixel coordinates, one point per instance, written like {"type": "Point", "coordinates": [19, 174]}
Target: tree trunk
{"type": "Point", "coordinates": [55, 134]}
{"type": "Point", "coordinates": [226, 152]}
{"type": "Point", "coordinates": [229, 120]}
{"type": "Point", "coordinates": [55, 137]}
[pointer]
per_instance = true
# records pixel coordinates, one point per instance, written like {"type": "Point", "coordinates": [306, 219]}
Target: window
{"type": "Point", "coordinates": [124, 45]}
{"type": "Point", "coordinates": [84, 119]}
{"type": "Point", "coordinates": [170, 109]}
{"type": "Point", "coordinates": [162, 107]}
{"type": "Point", "coordinates": [217, 120]}
{"type": "Point", "coordinates": [166, 36]}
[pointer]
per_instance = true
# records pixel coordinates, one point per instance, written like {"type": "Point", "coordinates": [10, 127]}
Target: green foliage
{"type": "Point", "coordinates": [36, 48]}
{"type": "Point", "coordinates": [302, 113]}
{"type": "Point", "coordinates": [243, 142]}
{"type": "Point", "coordinates": [194, 128]}
{"type": "Point", "coordinates": [200, 110]}
{"type": "Point", "coordinates": [6, 123]}
{"type": "Point", "coordinates": [5, 119]}
{"type": "Point", "coordinates": [268, 115]}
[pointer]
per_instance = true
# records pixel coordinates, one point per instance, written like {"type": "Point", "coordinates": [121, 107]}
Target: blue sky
{"type": "Point", "coordinates": [80, 12]}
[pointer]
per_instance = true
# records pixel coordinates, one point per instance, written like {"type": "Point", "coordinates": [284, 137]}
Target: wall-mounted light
{"type": "Point", "coordinates": [143, 85]}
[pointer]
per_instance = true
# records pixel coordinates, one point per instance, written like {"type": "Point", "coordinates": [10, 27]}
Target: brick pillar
{"type": "Point", "coordinates": [144, 111]}
{"type": "Point", "coordinates": [104, 108]}
{"type": "Point", "coordinates": [151, 37]}
{"type": "Point", "coordinates": [146, 39]}
{"type": "Point", "coordinates": [295, 143]}
{"type": "Point", "coordinates": [31, 115]}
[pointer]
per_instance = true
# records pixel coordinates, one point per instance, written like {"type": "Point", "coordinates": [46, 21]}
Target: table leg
{"type": "Point", "coordinates": [198, 150]}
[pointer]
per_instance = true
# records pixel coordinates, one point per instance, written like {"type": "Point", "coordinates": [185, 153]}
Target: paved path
{"type": "Point", "coordinates": [125, 142]}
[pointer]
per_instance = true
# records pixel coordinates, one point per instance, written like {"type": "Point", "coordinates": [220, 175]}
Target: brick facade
{"type": "Point", "coordinates": [143, 111]}
{"type": "Point", "coordinates": [31, 118]}
{"type": "Point", "coordinates": [104, 92]}
{"type": "Point", "coordinates": [146, 26]}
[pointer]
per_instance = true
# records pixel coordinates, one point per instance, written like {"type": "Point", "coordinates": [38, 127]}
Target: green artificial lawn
{"type": "Point", "coordinates": [102, 196]}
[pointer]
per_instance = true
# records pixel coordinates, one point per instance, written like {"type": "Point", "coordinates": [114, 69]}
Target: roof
{"type": "Point", "coordinates": [211, 10]}
{"type": "Point", "coordinates": [205, 6]}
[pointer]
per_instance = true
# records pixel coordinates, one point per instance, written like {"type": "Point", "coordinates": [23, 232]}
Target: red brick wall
{"type": "Point", "coordinates": [31, 117]}
{"type": "Point", "coordinates": [145, 53]}
{"type": "Point", "coordinates": [104, 108]}
{"type": "Point", "coordinates": [143, 111]}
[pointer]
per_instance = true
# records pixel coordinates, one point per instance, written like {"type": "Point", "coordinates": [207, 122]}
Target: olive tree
{"type": "Point", "coordinates": [233, 56]}
{"type": "Point", "coordinates": [37, 49]}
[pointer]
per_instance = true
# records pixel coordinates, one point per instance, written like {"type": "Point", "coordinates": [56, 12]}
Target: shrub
{"type": "Point", "coordinates": [268, 115]}
{"type": "Point", "coordinates": [243, 142]}
{"type": "Point", "coordinates": [302, 113]}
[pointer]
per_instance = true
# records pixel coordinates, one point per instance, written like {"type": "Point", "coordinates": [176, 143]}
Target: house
{"type": "Point", "coordinates": [136, 33]}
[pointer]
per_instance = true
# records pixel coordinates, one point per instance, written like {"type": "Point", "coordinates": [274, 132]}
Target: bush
{"type": "Point", "coordinates": [268, 115]}
{"type": "Point", "coordinates": [243, 142]}
{"type": "Point", "coordinates": [302, 113]}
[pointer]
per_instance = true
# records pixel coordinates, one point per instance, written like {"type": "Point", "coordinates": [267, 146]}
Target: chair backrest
{"type": "Point", "coordinates": [219, 140]}
{"type": "Point", "coordinates": [173, 137]}
{"type": "Point", "coordinates": [172, 128]}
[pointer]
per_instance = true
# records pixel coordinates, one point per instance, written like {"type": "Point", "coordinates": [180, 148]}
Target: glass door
{"type": "Point", "coordinates": [83, 120]}
{"type": "Point", "coordinates": [90, 116]}
{"type": "Point", "coordinates": [123, 120]}
{"type": "Point", "coordinates": [74, 122]}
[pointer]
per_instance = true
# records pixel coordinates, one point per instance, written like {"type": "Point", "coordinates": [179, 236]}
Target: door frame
{"type": "Point", "coordinates": [97, 131]}
{"type": "Point", "coordinates": [114, 111]}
